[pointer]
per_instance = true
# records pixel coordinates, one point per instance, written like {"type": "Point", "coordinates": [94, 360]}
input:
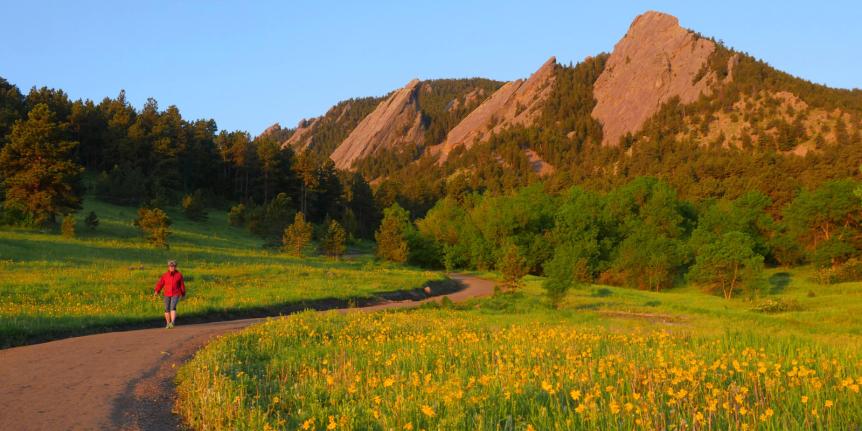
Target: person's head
{"type": "Point", "coordinates": [172, 265]}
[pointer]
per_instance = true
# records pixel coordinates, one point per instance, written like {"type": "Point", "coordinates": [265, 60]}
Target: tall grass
{"type": "Point", "coordinates": [52, 286]}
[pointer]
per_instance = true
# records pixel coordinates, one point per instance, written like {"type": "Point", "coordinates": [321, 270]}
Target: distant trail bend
{"type": "Point", "coordinates": [124, 380]}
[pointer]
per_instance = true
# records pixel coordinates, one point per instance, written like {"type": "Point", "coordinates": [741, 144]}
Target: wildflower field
{"type": "Point", "coordinates": [52, 287]}
{"type": "Point", "coordinates": [510, 363]}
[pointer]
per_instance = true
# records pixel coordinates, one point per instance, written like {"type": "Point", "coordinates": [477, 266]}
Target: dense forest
{"type": "Point", "coordinates": [54, 150]}
{"type": "Point", "coordinates": [641, 234]}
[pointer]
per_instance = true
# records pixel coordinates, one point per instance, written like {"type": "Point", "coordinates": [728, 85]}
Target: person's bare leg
{"type": "Point", "coordinates": [168, 317]}
{"type": "Point", "coordinates": [173, 316]}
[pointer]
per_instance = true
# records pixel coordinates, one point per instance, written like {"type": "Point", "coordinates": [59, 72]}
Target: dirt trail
{"type": "Point", "coordinates": [122, 380]}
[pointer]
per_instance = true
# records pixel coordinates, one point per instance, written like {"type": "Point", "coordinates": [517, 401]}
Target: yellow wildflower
{"type": "Point", "coordinates": [428, 411]}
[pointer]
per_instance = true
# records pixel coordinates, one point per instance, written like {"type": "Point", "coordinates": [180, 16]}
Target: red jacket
{"type": "Point", "coordinates": [172, 283]}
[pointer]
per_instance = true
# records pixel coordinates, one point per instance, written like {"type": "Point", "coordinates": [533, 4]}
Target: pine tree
{"type": "Point", "coordinates": [298, 235]}
{"type": "Point", "coordinates": [512, 266]}
{"type": "Point", "coordinates": [154, 223]}
{"type": "Point", "coordinates": [40, 177]}
{"type": "Point", "coordinates": [194, 206]}
{"type": "Point", "coordinates": [392, 236]}
{"type": "Point", "coordinates": [92, 220]}
{"type": "Point", "coordinates": [334, 240]}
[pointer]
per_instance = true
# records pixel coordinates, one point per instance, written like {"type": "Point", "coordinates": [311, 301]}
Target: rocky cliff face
{"type": "Point", "coordinates": [301, 137]}
{"type": "Point", "coordinates": [654, 62]}
{"type": "Point", "coordinates": [396, 121]}
{"type": "Point", "coordinates": [515, 103]}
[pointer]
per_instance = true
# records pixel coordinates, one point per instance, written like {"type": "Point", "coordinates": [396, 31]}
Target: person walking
{"type": "Point", "coordinates": [174, 288]}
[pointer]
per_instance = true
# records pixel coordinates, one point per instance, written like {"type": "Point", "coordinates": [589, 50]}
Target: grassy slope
{"type": "Point", "coordinates": [275, 373]}
{"type": "Point", "coordinates": [52, 286]}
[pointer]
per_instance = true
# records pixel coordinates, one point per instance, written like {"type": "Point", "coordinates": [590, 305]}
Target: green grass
{"type": "Point", "coordinates": [609, 358]}
{"type": "Point", "coordinates": [53, 287]}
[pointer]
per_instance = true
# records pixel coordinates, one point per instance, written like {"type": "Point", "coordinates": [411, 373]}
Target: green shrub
{"type": "Point", "coordinates": [392, 236]}
{"type": "Point", "coordinates": [92, 220]}
{"type": "Point", "coordinates": [512, 266]}
{"type": "Point", "coordinates": [334, 239]}
{"type": "Point", "coordinates": [153, 224]}
{"type": "Point", "coordinates": [237, 215]}
{"type": "Point", "coordinates": [298, 235]}
{"type": "Point", "coordinates": [194, 206]}
{"type": "Point", "coordinates": [777, 305]}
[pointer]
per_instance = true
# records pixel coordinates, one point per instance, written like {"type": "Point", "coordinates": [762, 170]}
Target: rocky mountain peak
{"type": "Point", "coordinates": [517, 102]}
{"type": "Point", "coordinates": [655, 61]}
{"type": "Point", "coordinates": [394, 122]}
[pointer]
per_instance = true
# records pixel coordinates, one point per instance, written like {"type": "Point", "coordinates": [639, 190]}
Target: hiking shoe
{"type": "Point", "coordinates": [170, 325]}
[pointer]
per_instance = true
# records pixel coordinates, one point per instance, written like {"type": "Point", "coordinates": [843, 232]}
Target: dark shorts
{"type": "Point", "coordinates": [171, 303]}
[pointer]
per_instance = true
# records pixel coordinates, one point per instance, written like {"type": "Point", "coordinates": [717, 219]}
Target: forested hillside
{"type": "Point", "coordinates": [54, 150]}
{"type": "Point", "coordinates": [732, 150]}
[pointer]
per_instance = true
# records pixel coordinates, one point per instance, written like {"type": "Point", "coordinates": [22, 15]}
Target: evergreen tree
{"type": "Point", "coordinates": [391, 237]}
{"type": "Point", "coordinates": [194, 206]}
{"type": "Point", "coordinates": [40, 177]}
{"type": "Point", "coordinates": [11, 108]}
{"type": "Point", "coordinates": [333, 243]}
{"type": "Point", "coordinates": [826, 221]}
{"type": "Point", "coordinates": [297, 236]}
{"type": "Point", "coordinates": [154, 226]}
{"type": "Point", "coordinates": [512, 265]}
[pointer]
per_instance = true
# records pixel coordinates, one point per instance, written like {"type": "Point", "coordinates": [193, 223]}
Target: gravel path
{"type": "Point", "coordinates": [123, 380]}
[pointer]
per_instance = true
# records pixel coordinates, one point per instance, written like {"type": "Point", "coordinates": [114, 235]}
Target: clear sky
{"type": "Point", "coordinates": [248, 64]}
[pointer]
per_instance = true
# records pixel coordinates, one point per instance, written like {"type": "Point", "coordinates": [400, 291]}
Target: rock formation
{"type": "Point", "coordinates": [654, 62]}
{"type": "Point", "coordinates": [515, 103]}
{"type": "Point", "coordinates": [394, 122]}
{"type": "Point", "coordinates": [301, 137]}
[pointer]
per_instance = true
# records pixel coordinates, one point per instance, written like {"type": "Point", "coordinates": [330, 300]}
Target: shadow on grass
{"type": "Point", "coordinates": [778, 282]}
{"type": "Point", "coordinates": [85, 325]}
{"type": "Point", "coordinates": [36, 248]}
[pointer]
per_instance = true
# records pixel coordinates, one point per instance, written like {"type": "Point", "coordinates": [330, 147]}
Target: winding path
{"type": "Point", "coordinates": [123, 380]}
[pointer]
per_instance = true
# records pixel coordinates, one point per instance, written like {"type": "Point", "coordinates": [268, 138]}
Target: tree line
{"type": "Point", "coordinates": [640, 235]}
{"type": "Point", "coordinates": [54, 150]}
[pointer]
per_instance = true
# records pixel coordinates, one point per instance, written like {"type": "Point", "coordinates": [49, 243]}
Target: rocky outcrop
{"type": "Point", "coordinates": [515, 103]}
{"type": "Point", "coordinates": [394, 122]}
{"type": "Point", "coordinates": [301, 137]}
{"type": "Point", "coordinates": [271, 130]}
{"type": "Point", "coordinates": [654, 62]}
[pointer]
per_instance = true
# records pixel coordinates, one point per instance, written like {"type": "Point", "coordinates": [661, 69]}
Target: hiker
{"type": "Point", "coordinates": [172, 282]}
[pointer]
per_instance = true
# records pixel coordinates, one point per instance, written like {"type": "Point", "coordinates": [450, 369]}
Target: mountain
{"type": "Point", "coordinates": [322, 135]}
{"type": "Point", "coordinates": [515, 103]}
{"type": "Point", "coordinates": [665, 102]}
{"type": "Point", "coordinates": [398, 125]}
{"type": "Point", "coordinates": [655, 61]}
{"type": "Point", "coordinates": [395, 122]}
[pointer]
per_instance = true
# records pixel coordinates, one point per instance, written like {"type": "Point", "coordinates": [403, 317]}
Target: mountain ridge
{"type": "Point", "coordinates": [656, 69]}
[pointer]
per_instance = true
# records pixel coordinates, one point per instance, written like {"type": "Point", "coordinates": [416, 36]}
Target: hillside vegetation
{"type": "Point", "coordinates": [103, 280]}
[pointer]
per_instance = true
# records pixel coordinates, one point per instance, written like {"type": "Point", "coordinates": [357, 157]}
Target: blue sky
{"type": "Point", "coordinates": [250, 64]}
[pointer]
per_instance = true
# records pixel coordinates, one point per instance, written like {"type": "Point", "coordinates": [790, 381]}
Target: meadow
{"type": "Point", "coordinates": [52, 287]}
{"type": "Point", "coordinates": [608, 358]}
